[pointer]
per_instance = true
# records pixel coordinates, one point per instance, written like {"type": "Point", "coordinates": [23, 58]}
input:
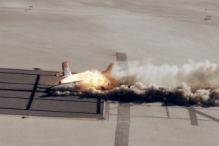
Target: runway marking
{"type": "Point", "coordinates": [201, 113]}
{"type": "Point", "coordinates": [207, 116]}
{"type": "Point", "coordinates": [192, 115]}
{"type": "Point", "coordinates": [123, 125]}
{"type": "Point", "coordinates": [122, 62]}
{"type": "Point", "coordinates": [20, 73]}
{"type": "Point", "coordinates": [18, 90]}
{"type": "Point", "coordinates": [106, 110]}
{"type": "Point", "coordinates": [123, 115]}
{"type": "Point", "coordinates": [33, 92]}
{"type": "Point", "coordinates": [121, 56]}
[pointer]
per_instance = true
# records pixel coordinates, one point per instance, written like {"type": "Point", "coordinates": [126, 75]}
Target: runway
{"type": "Point", "coordinates": [22, 93]}
{"type": "Point", "coordinates": [125, 123]}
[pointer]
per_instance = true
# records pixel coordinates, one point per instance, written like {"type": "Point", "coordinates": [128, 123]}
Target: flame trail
{"type": "Point", "coordinates": [192, 83]}
{"type": "Point", "coordinates": [196, 75]}
{"type": "Point", "coordinates": [91, 78]}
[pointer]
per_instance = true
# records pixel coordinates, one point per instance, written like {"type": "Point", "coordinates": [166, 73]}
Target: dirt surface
{"type": "Point", "coordinates": [88, 33]}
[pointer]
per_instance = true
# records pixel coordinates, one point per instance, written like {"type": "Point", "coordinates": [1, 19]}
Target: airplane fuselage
{"type": "Point", "coordinates": [70, 87]}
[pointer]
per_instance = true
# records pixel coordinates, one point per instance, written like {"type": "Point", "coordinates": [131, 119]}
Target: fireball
{"type": "Point", "coordinates": [91, 78]}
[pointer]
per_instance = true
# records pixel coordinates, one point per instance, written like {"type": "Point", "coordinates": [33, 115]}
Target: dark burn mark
{"type": "Point", "coordinates": [38, 69]}
{"type": "Point", "coordinates": [33, 92]}
{"type": "Point", "coordinates": [98, 105]}
{"type": "Point", "coordinates": [121, 56]}
{"type": "Point", "coordinates": [167, 111]}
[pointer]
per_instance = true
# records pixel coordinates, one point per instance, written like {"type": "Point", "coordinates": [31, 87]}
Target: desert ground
{"type": "Point", "coordinates": [87, 34]}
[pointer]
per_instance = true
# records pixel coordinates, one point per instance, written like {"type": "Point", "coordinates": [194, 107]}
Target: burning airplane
{"type": "Point", "coordinates": [81, 81]}
{"type": "Point", "coordinates": [192, 83]}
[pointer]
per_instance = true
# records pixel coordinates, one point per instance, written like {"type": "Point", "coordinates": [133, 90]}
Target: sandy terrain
{"type": "Point", "coordinates": [87, 34]}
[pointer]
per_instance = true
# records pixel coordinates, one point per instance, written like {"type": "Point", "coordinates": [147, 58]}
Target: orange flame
{"type": "Point", "coordinates": [90, 79]}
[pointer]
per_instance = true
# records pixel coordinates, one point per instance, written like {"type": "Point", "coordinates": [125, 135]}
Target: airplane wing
{"type": "Point", "coordinates": [67, 72]}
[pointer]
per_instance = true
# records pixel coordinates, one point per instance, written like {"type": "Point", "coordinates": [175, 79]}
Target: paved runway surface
{"type": "Point", "coordinates": [22, 93]}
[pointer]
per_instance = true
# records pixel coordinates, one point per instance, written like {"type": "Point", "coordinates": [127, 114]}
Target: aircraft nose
{"type": "Point", "coordinates": [48, 90]}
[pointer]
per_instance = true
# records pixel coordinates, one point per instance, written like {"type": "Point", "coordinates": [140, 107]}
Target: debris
{"type": "Point", "coordinates": [208, 17]}
{"type": "Point", "coordinates": [30, 7]}
{"type": "Point", "coordinates": [37, 69]}
{"type": "Point", "coordinates": [59, 74]}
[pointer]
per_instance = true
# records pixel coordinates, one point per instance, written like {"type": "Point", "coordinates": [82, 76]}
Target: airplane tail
{"type": "Point", "coordinates": [67, 72]}
{"type": "Point", "coordinates": [66, 69]}
{"type": "Point", "coordinates": [108, 68]}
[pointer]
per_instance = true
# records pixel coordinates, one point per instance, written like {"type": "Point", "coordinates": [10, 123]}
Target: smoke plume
{"type": "Point", "coordinates": [200, 75]}
{"type": "Point", "coordinates": [192, 83]}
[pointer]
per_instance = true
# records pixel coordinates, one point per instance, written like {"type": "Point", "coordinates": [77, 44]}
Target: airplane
{"type": "Point", "coordinates": [61, 88]}
{"type": "Point", "coordinates": [66, 85]}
